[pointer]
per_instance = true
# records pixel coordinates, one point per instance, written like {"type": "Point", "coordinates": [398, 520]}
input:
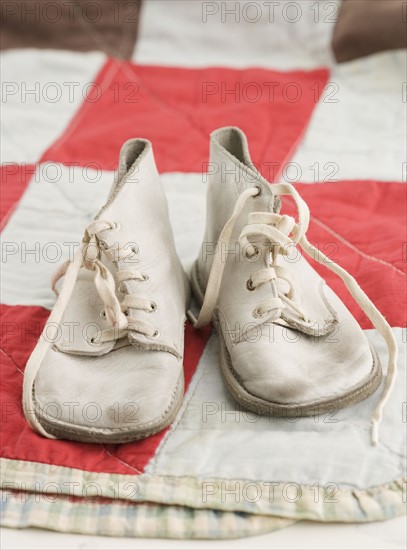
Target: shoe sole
{"type": "Point", "coordinates": [84, 434]}
{"type": "Point", "coordinates": [263, 407]}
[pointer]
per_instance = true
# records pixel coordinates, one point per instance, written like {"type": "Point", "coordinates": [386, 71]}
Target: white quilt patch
{"type": "Point", "coordinates": [41, 92]}
{"type": "Point", "coordinates": [58, 204]}
{"type": "Point", "coordinates": [281, 35]}
{"type": "Point", "coordinates": [358, 128]}
{"type": "Point", "coordinates": [215, 438]}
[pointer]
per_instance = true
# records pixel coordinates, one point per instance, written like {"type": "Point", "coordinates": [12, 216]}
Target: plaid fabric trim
{"type": "Point", "coordinates": [329, 502]}
{"type": "Point", "coordinates": [126, 519]}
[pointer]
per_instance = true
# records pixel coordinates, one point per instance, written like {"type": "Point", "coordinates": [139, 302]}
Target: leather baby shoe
{"type": "Point", "coordinates": [108, 365]}
{"type": "Point", "coordinates": [288, 345]}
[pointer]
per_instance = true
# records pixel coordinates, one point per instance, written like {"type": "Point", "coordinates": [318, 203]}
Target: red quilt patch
{"type": "Point", "coordinates": [178, 108]}
{"type": "Point", "coordinates": [20, 329]}
{"type": "Point", "coordinates": [14, 179]}
{"type": "Point", "coordinates": [359, 224]}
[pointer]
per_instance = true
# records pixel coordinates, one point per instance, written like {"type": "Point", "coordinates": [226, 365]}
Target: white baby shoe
{"type": "Point", "coordinates": [108, 365]}
{"type": "Point", "coordinates": [288, 345]}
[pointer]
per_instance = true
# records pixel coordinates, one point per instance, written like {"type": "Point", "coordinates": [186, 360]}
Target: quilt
{"type": "Point", "coordinates": [80, 78]}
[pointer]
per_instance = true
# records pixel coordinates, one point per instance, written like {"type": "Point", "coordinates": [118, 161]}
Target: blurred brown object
{"type": "Point", "coordinates": [80, 25]}
{"type": "Point", "coordinates": [365, 27]}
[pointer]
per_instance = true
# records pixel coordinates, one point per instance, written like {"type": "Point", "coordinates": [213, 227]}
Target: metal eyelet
{"type": "Point", "coordinates": [102, 314]}
{"type": "Point", "coordinates": [256, 314]}
{"type": "Point", "coordinates": [63, 344]}
{"type": "Point", "coordinates": [250, 286]}
{"type": "Point", "coordinates": [116, 226]}
{"type": "Point", "coordinates": [121, 287]}
{"type": "Point", "coordinates": [153, 306]}
{"type": "Point", "coordinates": [253, 256]}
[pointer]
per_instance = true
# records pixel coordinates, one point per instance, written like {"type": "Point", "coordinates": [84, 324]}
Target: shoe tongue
{"type": "Point", "coordinates": [311, 328]}
{"type": "Point", "coordinates": [282, 286]}
{"type": "Point", "coordinates": [309, 295]}
{"type": "Point", "coordinates": [83, 320]}
{"type": "Point", "coordinates": [322, 318]}
{"type": "Point", "coordinates": [142, 342]}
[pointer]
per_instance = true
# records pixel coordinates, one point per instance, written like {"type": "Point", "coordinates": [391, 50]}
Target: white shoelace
{"type": "Point", "coordinates": [105, 283]}
{"type": "Point", "coordinates": [280, 232]}
{"type": "Point", "coordinates": [89, 256]}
